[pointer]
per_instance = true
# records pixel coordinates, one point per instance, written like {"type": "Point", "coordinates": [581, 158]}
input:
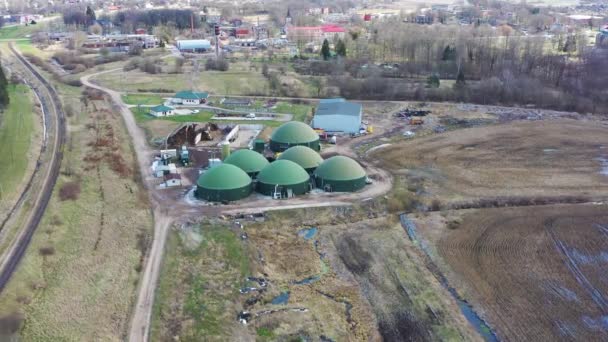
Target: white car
{"type": "Point", "coordinates": [251, 116]}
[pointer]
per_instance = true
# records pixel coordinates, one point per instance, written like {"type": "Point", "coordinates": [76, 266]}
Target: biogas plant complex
{"type": "Point", "coordinates": [296, 169]}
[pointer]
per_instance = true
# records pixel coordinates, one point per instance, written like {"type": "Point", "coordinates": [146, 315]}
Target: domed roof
{"type": "Point", "coordinates": [304, 156]}
{"type": "Point", "coordinates": [294, 132]}
{"type": "Point", "coordinates": [283, 172]}
{"type": "Point", "coordinates": [247, 160]}
{"type": "Point", "coordinates": [223, 177]}
{"type": "Point", "coordinates": [340, 168]}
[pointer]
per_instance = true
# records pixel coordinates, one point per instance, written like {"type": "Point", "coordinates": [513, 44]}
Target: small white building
{"type": "Point", "coordinates": [162, 110]}
{"type": "Point", "coordinates": [338, 115]}
{"type": "Point", "coordinates": [160, 170]}
{"type": "Point", "coordinates": [172, 180]}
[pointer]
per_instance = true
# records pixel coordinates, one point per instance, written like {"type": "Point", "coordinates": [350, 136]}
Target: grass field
{"type": "Point", "coordinates": [139, 99]}
{"type": "Point", "coordinates": [17, 129]}
{"type": "Point", "coordinates": [538, 273]}
{"type": "Point", "coordinates": [234, 82]}
{"type": "Point", "coordinates": [79, 276]}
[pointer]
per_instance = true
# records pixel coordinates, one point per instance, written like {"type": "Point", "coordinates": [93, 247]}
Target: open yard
{"type": "Point", "coordinates": [328, 274]}
{"type": "Point", "coordinates": [537, 273]}
{"type": "Point", "coordinates": [539, 158]}
{"type": "Point", "coordinates": [236, 81]}
{"type": "Point", "coordinates": [78, 278]}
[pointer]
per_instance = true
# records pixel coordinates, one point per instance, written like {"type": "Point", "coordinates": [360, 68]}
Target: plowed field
{"type": "Point", "coordinates": [536, 273]}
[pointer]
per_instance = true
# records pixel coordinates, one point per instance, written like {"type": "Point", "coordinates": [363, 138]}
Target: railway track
{"type": "Point", "coordinates": [51, 105]}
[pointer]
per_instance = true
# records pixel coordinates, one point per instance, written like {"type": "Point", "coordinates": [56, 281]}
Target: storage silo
{"type": "Point", "coordinates": [294, 133]}
{"type": "Point", "coordinates": [304, 156]}
{"type": "Point", "coordinates": [283, 179]}
{"type": "Point", "coordinates": [247, 160]}
{"type": "Point", "coordinates": [224, 182]}
{"type": "Point", "coordinates": [341, 174]}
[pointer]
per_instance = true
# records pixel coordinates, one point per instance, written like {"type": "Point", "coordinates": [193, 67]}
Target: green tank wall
{"type": "Point", "coordinates": [216, 195]}
{"type": "Point", "coordinates": [341, 186]}
{"type": "Point", "coordinates": [297, 189]}
{"type": "Point", "coordinates": [280, 147]}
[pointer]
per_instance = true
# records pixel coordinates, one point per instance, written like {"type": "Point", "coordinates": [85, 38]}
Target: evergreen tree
{"type": "Point", "coordinates": [433, 81]}
{"type": "Point", "coordinates": [90, 16]}
{"type": "Point", "coordinates": [460, 81]}
{"type": "Point", "coordinates": [325, 50]}
{"type": "Point", "coordinates": [4, 99]}
{"type": "Point", "coordinates": [341, 48]}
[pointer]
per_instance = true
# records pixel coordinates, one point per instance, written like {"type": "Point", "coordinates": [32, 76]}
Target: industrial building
{"type": "Point", "coordinates": [294, 133]}
{"type": "Point", "coordinates": [283, 179]}
{"type": "Point", "coordinates": [341, 174]}
{"type": "Point", "coordinates": [338, 115]}
{"type": "Point", "coordinates": [189, 97]}
{"type": "Point", "coordinates": [194, 45]}
{"type": "Point", "coordinates": [306, 157]}
{"type": "Point", "coordinates": [247, 160]}
{"type": "Point", "coordinates": [224, 182]}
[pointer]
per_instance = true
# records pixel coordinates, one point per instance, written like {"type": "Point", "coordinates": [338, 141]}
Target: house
{"type": "Point", "coordinates": [172, 179]}
{"type": "Point", "coordinates": [315, 33]}
{"type": "Point", "coordinates": [338, 115]}
{"type": "Point", "coordinates": [189, 97]}
{"type": "Point", "coordinates": [161, 110]}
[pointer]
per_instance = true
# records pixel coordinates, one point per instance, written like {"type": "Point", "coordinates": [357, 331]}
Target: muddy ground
{"type": "Point", "coordinates": [536, 273]}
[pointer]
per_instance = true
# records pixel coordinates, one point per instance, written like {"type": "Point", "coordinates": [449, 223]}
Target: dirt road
{"type": "Point", "coordinates": [140, 326]}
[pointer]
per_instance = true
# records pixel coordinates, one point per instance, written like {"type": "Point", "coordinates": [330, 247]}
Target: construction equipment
{"type": "Point", "coordinates": [416, 121]}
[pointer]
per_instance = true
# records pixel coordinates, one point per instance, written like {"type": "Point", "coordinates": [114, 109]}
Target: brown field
{"type": "Point", "coordinates": [539, 158]}
{"type": "Point", "coordinates": [535, 273]}
{"type": "Point", "coordinates": [370, 283]}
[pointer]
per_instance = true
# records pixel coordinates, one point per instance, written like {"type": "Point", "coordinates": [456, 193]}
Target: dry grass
{"type": "Point", "coordinates": [542, 158]}
{"type": "Point", "coordinates": [85, 288]}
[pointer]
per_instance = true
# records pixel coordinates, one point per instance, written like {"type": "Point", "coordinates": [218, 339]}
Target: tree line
{"type": "Point", "coordinates": [492, 66]}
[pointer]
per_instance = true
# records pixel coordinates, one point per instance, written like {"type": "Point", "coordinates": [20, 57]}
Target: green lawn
{"type": "Point", "coordinates": [16, 126]}
{"type": "Point", "coordinates": [19, 31]}
{"type": "Point", "coordinates": [136, 99]}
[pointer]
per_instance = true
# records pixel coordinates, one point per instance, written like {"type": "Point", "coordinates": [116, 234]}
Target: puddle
{"type": "Point", "coordinates": [598, 324]}
{"type": "Point", "coordinates": [603, 164]}
{"type": "Point", "coordinates": [307, 233]}
{"type": "Point", "coordinates": [281, 299]}
{"type": "Point", "coordinates": [550, 150]}
{"type": "Point", "coordinates": [307, 281]}
{"type": "Point", "coordinates": [467, 310]}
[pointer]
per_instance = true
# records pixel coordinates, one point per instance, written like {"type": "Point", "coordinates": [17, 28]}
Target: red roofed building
{"type": "Point", "coordinates": [315, 33]}
{"type": "Point", "coordinates": [242, 33]}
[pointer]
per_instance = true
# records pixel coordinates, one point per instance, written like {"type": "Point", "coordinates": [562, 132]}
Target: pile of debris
{"type": "Point", "coordinates": [191, 134]}
{"type": "Point", "coordinates": [408, 113]}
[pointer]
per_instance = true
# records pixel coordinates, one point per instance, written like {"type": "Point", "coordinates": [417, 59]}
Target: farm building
{"type": "Point", "coordinates": [340, 174]}
{"type": "Point", "coordinates": [283, 179]}
{"type": "Point", "coordinates": [161, 110]}
{"type": "Point", "coordinates": [294, 133]}
{"type": "Point", "coordinates": [223, 182]}
{"type": "Point", "coordinates": [194, 45]}
{"type": "Point", "coordinates": [338, 115]}
{"type": "Point", "coordinates": [172, 179]}
{"type": "Point", "coordinates": [304, 156]}
{"type": "Point", "coordinates": [188, 97]}
{"type": "Point", "coordinates": [247, 160]}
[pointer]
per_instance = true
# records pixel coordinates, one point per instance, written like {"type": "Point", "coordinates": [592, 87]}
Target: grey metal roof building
{"type": "Point", "coordinates": [338, 115]}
